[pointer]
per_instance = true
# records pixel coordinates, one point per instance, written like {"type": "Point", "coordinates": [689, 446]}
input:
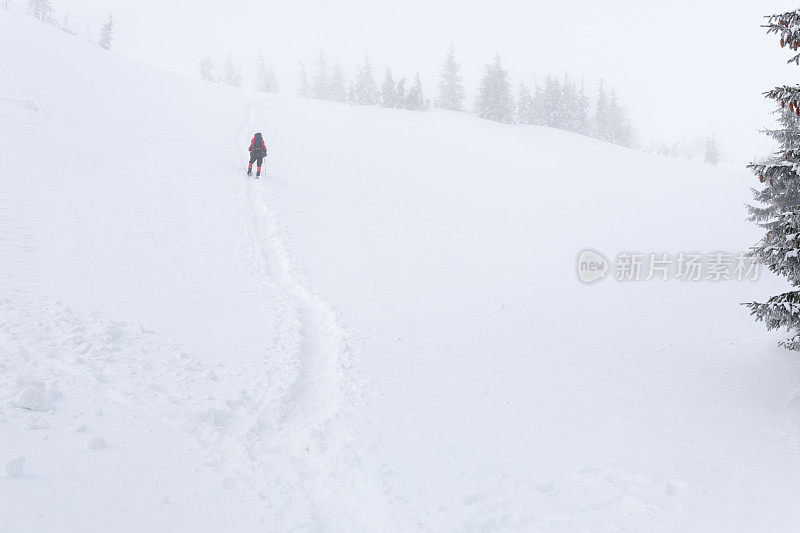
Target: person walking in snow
{"type": "Point", "coordinates": [258, 151]}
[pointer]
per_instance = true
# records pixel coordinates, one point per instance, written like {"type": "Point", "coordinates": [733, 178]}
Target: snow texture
{"type": "Point", "coordinates": [14, 466]}
{"type": "Point", "coordinates": [384, 333]}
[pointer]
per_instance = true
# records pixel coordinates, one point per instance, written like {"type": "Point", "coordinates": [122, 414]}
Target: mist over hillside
{"type": "Point", "coordinates": [670, 69]}
{"type": "Point", "coordinates": [399, 321]}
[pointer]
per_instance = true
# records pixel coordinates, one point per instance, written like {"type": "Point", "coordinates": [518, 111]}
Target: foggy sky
{"type": "Point", "coordinates": [682, 67]}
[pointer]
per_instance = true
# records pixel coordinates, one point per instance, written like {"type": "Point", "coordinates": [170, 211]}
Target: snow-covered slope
{"type": "Point", "coordinates": [385, 332]}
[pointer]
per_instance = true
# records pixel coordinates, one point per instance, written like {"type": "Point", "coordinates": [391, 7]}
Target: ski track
{"type": "Point", "coordinates": [305, 415]}
{"type": "Point", "coordinates": [287, 426]}
{"type": "Point", "coordinates": [283, 424]}
{"type": "Point", "coordinates": [316, 397]}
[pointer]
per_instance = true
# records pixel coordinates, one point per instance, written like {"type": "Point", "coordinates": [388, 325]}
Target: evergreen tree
{"type": "Point", "coordinates": [451, 89]}
{"type": "Point", "coordinates": [319, 89]}
{"type": "Point", "coordinates": [525, 108]}
{"type": "Point", "coordinates": [303, 90]}
{"type": "Point", "coordinates": [65, 27]}
{"type": "Point", "coordinates": [494, 101]}
{"type": "Point", "coordinates": [207, 70]}
{"type": "Point", "coordinates": [336, 89]}
{"type": "Point", "coordinates": [539, 109]}
{"type": "Point", "coordinates": [388, 90]}
{"type": "Point", "coordinates": [778, 212]}
{"type": "Point", "coordinates": [601, 127]}
{"type": "Point", "coordinates": [272, 82]}
{"type": "Point", "coordinates": [400, 94]}
{"type": "Point", "coordinates": [366, 92]}
{"type": "Point", "coordinates": [569, 105]}
{"type": "Point", "coordinates": [351, 94]}
{"type": "Point", "coordinates": [41, 9]}
{"type": "Point", "coordinates": [555, 115]}
{"type": "Point", "coordinates": [107, 33]}
{"type": "Point", "coordinates": [777, 193]}
{"type": "Point", "coordinates": [232, 75]}
{"type": "Point", "coordinates": [619, 125]}
{"type": "Point", "coordinates": [582, 112]}
{"type": "Point", "coordinates": [262, 75]}
{"type": "Point", "coordinates": [266, 77]}
{"type": "Point", "coordinates": [712, 151]}
{"type": "Point", "coordinates": [415, 99]}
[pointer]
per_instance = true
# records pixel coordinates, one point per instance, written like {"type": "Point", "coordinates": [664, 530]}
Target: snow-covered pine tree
{"type": "Point", "coordinates": [569, 105]}
{"type": "Point", "coordinates": [41, 9]}
{"type": "Point", "coordinates": [778, 211]}
{"type": "Point", "coordinates": [336, 90]}
{"type": "Point", "coordinates": [712, 151]}
{"type": "Point", "coordinates": [494, 101]}
{"type": "Point", "coordinates": [303, 89]}
{"type": "Point", "coordinates": [319, 88]}
{"type": "Point", "coordinates": [582, 112]}
{"type": "Point", "coordinates": [601, 128]}
{"type": "Point", "coordinates": [366, 92]}
{"type": "Point", "coordinates": [351, 94]}
{"type": "Point", "coordinates": [539, 109]}
{"type": "Point", "coordinates": [619, 125]}
{"type": "Point", "coordinates": [266, 77]}
{"type": "Point", "coordinates": [207, 70]}
{"type": "Point", "coordinates": [415, 99]}
{"type": "Point", "coordinates": [525, 110]}
{"type": "Point", "coordinates": [555, 116]}
{"type": "Point", "coordinates": [388, 90]}
{"type": "Point", "coordinates": [273, 82]}
{"type": "Point", "coordinates": [451, 88]}
{"type": "Point", "coordinates": [778, 192]}
{"type": "Point", "coordinates": [65, 27]}
{"type": "Point", "coordinates": [232, 75]}
{"type": "Point", "coordinates": [262, 75]}
{"type": "Point", "coordinates": [400, 94]}
{"type": "Point", "coordinates": [107, 33]}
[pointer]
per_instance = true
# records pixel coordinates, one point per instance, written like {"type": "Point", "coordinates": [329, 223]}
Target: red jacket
{"type": "Point", "coordinates": [261, 148]}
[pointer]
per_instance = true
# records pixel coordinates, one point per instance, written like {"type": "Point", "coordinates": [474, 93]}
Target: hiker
{"type": "Point", "coordinates": [258, 151]}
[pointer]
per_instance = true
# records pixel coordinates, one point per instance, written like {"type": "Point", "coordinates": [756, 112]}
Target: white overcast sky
{"type": "Point", "coordinates": [683, 67]}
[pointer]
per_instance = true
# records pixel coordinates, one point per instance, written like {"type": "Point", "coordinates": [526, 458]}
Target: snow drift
{"type": "Point", "coordinates": [385, 332]}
